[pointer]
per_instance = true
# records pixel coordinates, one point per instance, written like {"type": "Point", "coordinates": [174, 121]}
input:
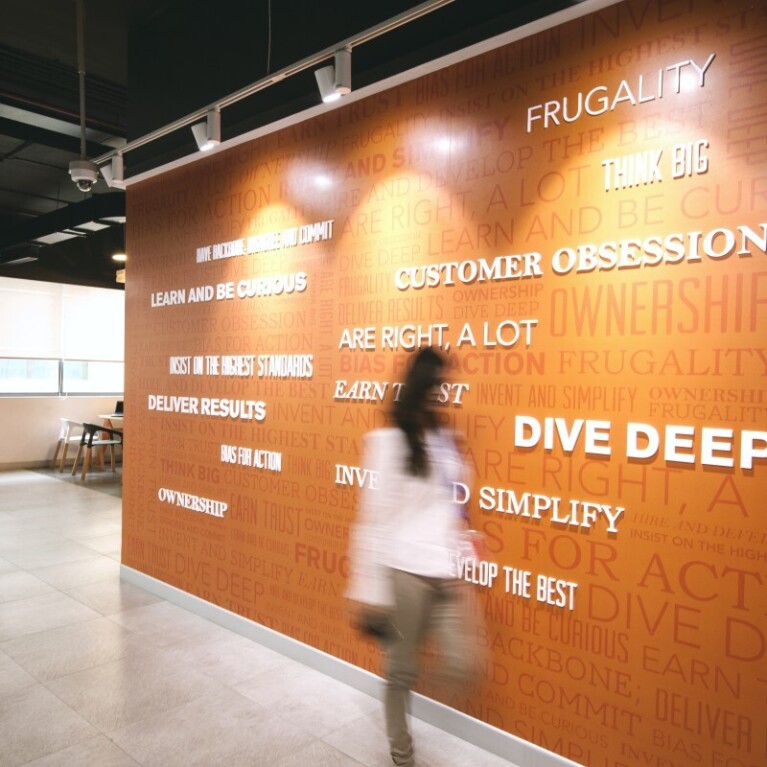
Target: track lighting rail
{"type": "Point", "coordinates": [310, 61]}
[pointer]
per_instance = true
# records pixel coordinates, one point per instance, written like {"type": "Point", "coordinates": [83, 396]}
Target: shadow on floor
{"type": "Point", "coordinates": [102, 480]}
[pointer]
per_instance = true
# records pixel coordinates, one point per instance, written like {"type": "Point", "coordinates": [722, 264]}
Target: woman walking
{"type": "Point", "coordinates": [405, 545]}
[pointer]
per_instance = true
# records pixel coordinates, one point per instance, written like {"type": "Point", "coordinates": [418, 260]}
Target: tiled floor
{"type": "Point", "coordinates": [94, 671]}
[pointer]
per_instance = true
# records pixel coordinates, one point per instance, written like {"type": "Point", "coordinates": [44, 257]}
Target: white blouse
{"type": "Point", "coordinates": [405, 522]}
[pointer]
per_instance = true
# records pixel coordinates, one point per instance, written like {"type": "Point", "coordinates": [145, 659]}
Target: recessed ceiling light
{"type": "Point", "coordinates": [54, 237]}
{"type": "Point", "coordinates": [92, 226]}
{"type": "Point", "coordinates": [19, 260]}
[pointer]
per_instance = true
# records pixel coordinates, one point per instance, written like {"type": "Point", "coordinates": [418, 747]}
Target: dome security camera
{"type": "Point", "coordinates": [84, 173]}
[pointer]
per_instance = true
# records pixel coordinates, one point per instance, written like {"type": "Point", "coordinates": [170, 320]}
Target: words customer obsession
{"type": "Point", "coordinates": [675, 248]}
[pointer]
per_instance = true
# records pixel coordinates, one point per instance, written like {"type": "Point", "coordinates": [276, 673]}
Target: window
{"type": "Point", "coordinates": [92, 377]}
{"type": "Point", "coordinates": [25, 376]}
{"type": "Point", "coordinates": [60, 339]}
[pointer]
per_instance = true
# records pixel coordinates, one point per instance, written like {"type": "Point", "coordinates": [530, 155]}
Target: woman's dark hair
{"type": "Point", "coordinates": [411, 413]}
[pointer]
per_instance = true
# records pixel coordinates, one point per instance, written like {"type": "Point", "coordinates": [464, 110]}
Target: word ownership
{"type": "Point", "coordinates": [711, 446]}
{"type": "Point", "coordinates": [192, 502]}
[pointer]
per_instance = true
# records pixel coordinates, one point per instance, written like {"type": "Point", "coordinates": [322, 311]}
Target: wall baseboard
{"type": "Point", "coordinates": [437, 714]}
{"type": "Point", "coordinates": [20, 465]}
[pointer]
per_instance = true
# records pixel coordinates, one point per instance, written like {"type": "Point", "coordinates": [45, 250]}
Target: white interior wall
{"type": "Point", "coordinates": [29, 426]}
{"type": "Point", "coordinates": [42, 319]}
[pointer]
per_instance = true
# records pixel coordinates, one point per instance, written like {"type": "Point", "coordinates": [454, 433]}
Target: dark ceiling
{"type": "Point", "coordinates": [178, 56]}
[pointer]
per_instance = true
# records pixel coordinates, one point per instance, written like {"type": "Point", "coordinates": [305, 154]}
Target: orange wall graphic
{"type": "Point", "coordinates": [579, 219]}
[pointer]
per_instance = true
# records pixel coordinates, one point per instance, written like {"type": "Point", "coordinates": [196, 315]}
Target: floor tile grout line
{"type": "Point", "coordinates": [51, 524]}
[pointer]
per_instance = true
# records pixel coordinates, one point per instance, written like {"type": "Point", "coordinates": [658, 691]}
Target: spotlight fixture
{"type": "Point", "coordinates": [335, 80]}
{"type": "Point", "coordinates": [208, 134]}
{"type": "Point", "coordinates": [121, 257]}
{"type": "Point", "coordinates": [113, 173]}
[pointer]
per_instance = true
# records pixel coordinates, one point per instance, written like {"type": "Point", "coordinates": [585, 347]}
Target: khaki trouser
{"type": "Point", "coordinates": [422, 606]}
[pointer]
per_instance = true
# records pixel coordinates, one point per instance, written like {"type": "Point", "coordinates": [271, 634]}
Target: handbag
{"type": "Point", "coordinates": [374, 621]}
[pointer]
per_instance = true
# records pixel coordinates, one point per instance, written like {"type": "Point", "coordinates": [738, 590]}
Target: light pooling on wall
{"type": "Point", "coordinates": [602, 302]}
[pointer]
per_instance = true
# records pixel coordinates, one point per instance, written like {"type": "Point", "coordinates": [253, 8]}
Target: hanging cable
{"type": "Point", "coordinates": [83, 172]}
{"type": "Point", "coordinates": [269, 34]}
{"type": "Point", "coordinates": [81, 71]}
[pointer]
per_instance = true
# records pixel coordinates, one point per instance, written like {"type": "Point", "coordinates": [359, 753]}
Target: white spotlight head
{"type": "Point", "coordinates": [113, 173]}
{"type": "Point", "coordinates": [335, 80]}
{"type": "Point", "coordinates": [326, 83]}
{"type": "Point", "coordinates": [208, 134]}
